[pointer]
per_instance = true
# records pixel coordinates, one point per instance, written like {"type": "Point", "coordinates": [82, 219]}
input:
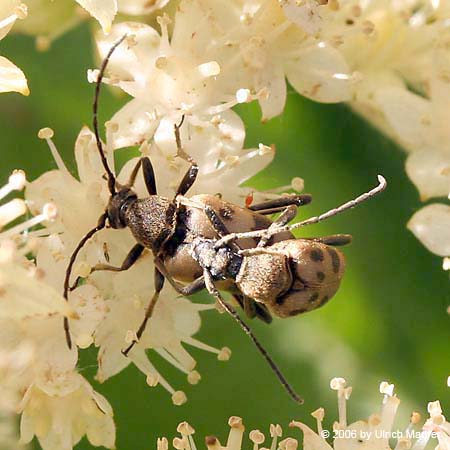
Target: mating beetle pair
{"type": "Point", "coordinates": [209, 243]}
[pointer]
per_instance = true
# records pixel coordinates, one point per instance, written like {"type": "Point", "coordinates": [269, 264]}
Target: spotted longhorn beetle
{"type": "Point", "coordinates": [266, 269]}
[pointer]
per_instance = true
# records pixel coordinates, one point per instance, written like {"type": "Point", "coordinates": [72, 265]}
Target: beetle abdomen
{"type": "Point", "coordinates": [317, 270]}
{"type": "Point", "coordinates": [264, 277]}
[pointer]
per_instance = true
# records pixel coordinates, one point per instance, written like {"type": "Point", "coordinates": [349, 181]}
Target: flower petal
{"type": "Point", "coordinates": [431, 225]}
{"type": "Point", "coordinates": [429, 170]}
{"type": "Point", "coordinates": [320, 73]}
{"type": "Point", "coordinates": [103, 10]}
{"type": "Point", "coordinates": [12, 79]}
{"type": "Point", "coordinates": [408, 114]}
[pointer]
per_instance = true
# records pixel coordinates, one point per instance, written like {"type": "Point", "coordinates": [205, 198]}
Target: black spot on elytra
{"type": "Point", "coordinates": [320, 276]}
{"type": "Point", "coordinates": [316, 255]}
{"type": "Point", "coordinates": [226, 213]}
{"type": "Point", "coordinates": [335, 261]}
{"type": "Point", "coordinates": [296, 312]}
{"type": "Point", "coordinates": [313, 297]}
{"type": "Point", "coordinates": [280, 300]}
{"type": "Point", "coordinates": [324, 299]}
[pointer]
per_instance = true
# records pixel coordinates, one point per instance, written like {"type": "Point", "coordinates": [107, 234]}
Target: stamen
{"type": "Point", "coordinates": [243, 96]}
{"type": "Point", "coordinates": [11, 211]}
{"type": "Point", "coordinates": [16, 182]}
{"type": "Point", "coordinates": [194, 377]}
{"type": "Point", "coordinates": [209, 69]}
{"type": "Point", "coordinates": [288, 444]}
{"type": "Point", "coordinates": [390, 405]}
{"type": "Point", "coordinates": [162, 444]}
{"type": "Point", "coordinates": [179, 398]}
{"type": "Point", "coordinates": [338, 384]}
{"type": "Point", "coordinates": [319, 414]}
{"type": "Point", "coordinates": [236, 434]}
{"type": "Point", "coordinates": [49, 213]}
{"type": "Point", "coordinates": [212, 443]}
{"type": "Point", "coordinates": [257, 438]}
{"type": "Point", "coordinates": [275, 432]}
{"type": "Point", "coordinates": [185, 429]}
{"type": "Point", "coordinates": [223, 354]}
{"type": "Point", "coordinates": [47, 134]}
{"type": "Point", "coordinates": [185, 366]}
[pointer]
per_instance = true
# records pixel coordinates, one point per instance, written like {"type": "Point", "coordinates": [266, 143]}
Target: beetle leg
{"type": "Point", "coordinates": [159, 284]}
{"type": "Point", "coordinates": [232, 312]}
{"type": "Point", "coordinates": [253, 309]}
{"type": "Point", "coordinates": [186, 290]}
{"type": "Point", "coordinates": [149, 176]}
{"type": "Point", "coordinates": [134, 173]}
{"type": "Point", "coordinates": [279, 204]}
{"type": "Point", "coordinates": [335, 240]}
{"type": "Point", "coordinates": [288, 214]}
{"type": "Point", "coordinates": [132, 256]}
{"type": "Point", "coordinates": [191, 175]}
{"type": "Point", "coordinates": [219, 227]}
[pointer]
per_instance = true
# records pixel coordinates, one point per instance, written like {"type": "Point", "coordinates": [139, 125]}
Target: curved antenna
{"type": "Point", "coordinates": [232, 312]}
{"type": "Point", "coordinates": [100, 225]}
{"type": "Point", "coordinates": [111, 177]}
{"type": "Point", "coordinates": [382, 183]}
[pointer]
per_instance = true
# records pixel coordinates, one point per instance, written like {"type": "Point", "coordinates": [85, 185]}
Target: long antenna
{"type": "Point", "coordinates": [98, 84]}
{"type": "Point", "coordinates": [232, 312]}
{"type": "Point", "coordinates": [382, 183]}
{"type": "Point", "coordinates": [100, 225]}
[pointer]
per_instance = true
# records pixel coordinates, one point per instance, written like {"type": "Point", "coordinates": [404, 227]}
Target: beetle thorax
{"type": "Point", "coordinates": [151, 220]}
{"type": "Point", "coordinates": [222, 263]}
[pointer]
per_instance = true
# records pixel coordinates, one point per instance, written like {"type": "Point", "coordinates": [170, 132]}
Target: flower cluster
{"type": "Point", "coordinates": [375, 433]}
{"type": "Point", "coordinates": [12, 79]}
{"type": "Point", "coordinates": [37, 370]}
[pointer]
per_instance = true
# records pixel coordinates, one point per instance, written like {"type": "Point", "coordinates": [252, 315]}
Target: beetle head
{"type": "Point", "coordinates": [117, 205]}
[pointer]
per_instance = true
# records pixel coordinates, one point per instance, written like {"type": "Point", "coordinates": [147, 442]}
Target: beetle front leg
{"type": "Point", "coordinates": [159, 284]}
{"type": "Point", "coordinates": [191, 175]}
{"type": "Point", "coordinates": [132, 256]}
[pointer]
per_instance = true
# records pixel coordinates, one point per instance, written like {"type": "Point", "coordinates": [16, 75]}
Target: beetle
{"type": "Point", "coordinates": [289, 277]}
{"type": "Point", "coordinates": [164, 226]}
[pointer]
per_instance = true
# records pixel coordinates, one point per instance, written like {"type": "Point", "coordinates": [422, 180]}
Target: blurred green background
{"type": "Point", "coordinates": [388, 321]}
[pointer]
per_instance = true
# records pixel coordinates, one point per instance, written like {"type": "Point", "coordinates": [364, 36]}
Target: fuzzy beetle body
{"type": "Point", "coordinates": [290, 277]}
{"type": "Point", "coordinates": [294, 277]}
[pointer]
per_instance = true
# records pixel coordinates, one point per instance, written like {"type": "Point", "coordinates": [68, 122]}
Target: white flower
{"type": "Point", "coordinates": [373, 434]}
{"type": "Point", "coordinates": [220, 54]}
{"type": "Point", "coordinates": [11, 77]}
{"type": "Point", "coordinates": [59, 408]}
{"type": "Point", "coordinates": [431, 225]}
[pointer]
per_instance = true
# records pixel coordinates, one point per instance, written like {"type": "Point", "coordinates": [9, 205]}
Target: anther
{"type": "Point", "coordinates": [179, 398]}
{"type": "Point", "coordinates": [224, 354]}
